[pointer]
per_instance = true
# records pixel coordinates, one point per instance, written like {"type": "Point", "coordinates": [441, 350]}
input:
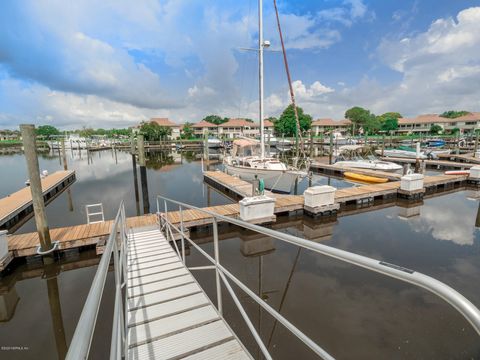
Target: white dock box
{"type": "Point", "coordinates": [412, 182]}
{"type": "Point", "coordinates": [477, 154]}
{"type": "Point", "coordinates": [256, 207]}
{"type": "Point", "coordinates": [475, 172]}
{"type": "Point", "coordinates": [3, 244]}
{"type": "Point", "coordinates": [322, 195]}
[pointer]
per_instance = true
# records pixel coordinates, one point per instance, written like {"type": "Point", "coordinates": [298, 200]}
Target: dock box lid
{"type": "Point", "coordinates": [411, 177]}
{"type": "Point", "coordinates": [254, 200]}
{"type": "Point", "coordinates": [320, 189]}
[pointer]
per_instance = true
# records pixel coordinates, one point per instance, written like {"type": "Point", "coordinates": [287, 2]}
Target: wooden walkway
{"type": "Point", "coordinates": [169, 315]}
{"type": "Point", "coordinates": [95, 234]}
{"type": "Point", "coordinates": [444, 164]}
{"type": "Point", "coordinates": [320, 168]}
{"type": "Point", "coordinates": [14, 207]}
{"type": "Point", "coordinates": [468, 158]}
{"type": "Point", "coordinates": [72, 236]}
{"type": "Point", "coordinates": [229, 184]}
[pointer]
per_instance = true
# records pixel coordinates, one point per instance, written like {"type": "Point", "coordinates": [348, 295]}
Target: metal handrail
{"type": "Point", "coordinates": [468, 310]}
{"type": "Point", "coordinates": [82, 338]}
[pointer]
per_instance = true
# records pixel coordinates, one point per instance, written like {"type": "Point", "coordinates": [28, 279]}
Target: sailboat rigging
{"type": "Point", "coordinates": [248, 160]}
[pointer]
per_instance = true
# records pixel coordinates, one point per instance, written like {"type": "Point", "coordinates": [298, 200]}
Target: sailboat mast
{"type": "Point", "coordinates": [260, 77]}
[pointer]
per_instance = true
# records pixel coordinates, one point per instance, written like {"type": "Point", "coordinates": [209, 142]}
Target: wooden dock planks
{"type": "Point", "coordinates": [169, 315]}
{"type": "Point", "coordinates": [12, 204]}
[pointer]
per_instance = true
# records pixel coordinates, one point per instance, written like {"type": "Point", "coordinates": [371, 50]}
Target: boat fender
{"type": "Point", "coordinates": [261, 186]}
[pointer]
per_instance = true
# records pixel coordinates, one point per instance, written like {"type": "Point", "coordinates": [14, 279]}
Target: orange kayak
{"type": "Point", "coordinates": [364, 178]}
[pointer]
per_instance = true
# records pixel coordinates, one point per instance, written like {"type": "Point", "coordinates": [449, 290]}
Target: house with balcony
{"type": "Point", "coordinates": [165, 122]}
{"type": "Point", "coordinates": [204, 128]}
{"type": "Point", "coordinates": [235, 128]}
{"type": "Point", "coordinates": [324, 126]}
{"type": "Point", "coordinates": [422, 123]}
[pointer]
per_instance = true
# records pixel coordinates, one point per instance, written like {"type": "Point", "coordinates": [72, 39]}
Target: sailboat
{"type": "Point", "coordinates": [248, 160]}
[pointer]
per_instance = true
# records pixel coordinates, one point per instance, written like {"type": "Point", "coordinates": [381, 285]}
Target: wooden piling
{"type": "Point", "coordinates": [30, 149]}
{"type": "Point", "coordinates": [143, 174]}
{"type": "Point", "coordinates": [330, 152]}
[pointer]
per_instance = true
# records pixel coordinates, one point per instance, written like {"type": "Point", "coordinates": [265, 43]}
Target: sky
{"type": "Point", "coordinates": [115, 63]}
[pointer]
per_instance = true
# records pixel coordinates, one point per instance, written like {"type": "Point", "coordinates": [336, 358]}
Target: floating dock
{"type": "Point", "coordinates": [169, 316]}
{"type": "Point", "coordinates": [17, 208]}
{"type": "Point", "coordinates": [335, 170]}
{"type": "Point", "coordinates": [437, 164]}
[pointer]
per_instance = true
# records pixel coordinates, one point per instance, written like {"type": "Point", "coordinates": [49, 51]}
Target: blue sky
{"type": "Point", "coordinates": [116, 63]}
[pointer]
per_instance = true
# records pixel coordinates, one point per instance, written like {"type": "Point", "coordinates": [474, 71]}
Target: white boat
{"type": "Point", "coordinates": [350, 156]}
{"type": "Point", "coordinates": [214, 143]}
{"type": "Point", "coordinates": [248, 160]}
{"type": "Point", "coordinates": [372, 164]}
{"type": "Point", "coordinates": [401, 154]}
{"type": "Point", "coordinates": [248, 165]}
{"type": "Point", "coordinates": [73, 141]}
{"type": "Point", "coordinates": [339, 139]}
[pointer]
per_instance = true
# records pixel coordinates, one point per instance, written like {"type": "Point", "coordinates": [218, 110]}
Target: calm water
{"type": "Point", "coordinates": [352, 313]}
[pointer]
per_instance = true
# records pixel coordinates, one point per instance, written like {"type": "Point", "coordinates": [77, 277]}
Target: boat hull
{"type": "Point", "coordinates": [275, 180]}
{"type": "Point", "coordinates": [371, 165]}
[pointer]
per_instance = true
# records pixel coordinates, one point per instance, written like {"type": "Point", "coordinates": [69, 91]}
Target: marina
{"type": "Point", "coordinates": [219, 180]}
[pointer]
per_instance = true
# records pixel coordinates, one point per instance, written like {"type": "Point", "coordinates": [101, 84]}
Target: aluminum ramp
{"type": "Point", "coordinates": [169, 315]}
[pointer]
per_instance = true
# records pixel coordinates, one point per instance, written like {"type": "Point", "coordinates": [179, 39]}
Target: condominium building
{"type": "Point", "coordinates": [321, 126]}
{"type": "Point", "coordinates": [422, 123]}
{"type": "Point", "coordinates": [165, 122]}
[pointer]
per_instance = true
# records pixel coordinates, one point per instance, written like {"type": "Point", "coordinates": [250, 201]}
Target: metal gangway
{"type": "Point", "coordinates": [121, 242]}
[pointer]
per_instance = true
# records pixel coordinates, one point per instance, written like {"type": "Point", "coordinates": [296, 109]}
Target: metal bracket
{"type": "Point", "coordinates": [54, 247]}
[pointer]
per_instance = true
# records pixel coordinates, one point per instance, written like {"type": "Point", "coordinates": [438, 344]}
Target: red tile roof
{"type": "Point", "coordinates": [203, 124]}
{"type": "Point", "coordinates": [435, 118]}
{"type": "Point", "coordinates": [237, 123]}
{"type": "Point", "coordinates": [164, 122]}
{"type": "Point", "coordinates": [331, 122]}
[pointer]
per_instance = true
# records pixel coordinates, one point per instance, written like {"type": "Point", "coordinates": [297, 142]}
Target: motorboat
{"type": "Point", "coordinates": [350, 156]}
{"type": "Point", "coordinates": [73, 141]}
{"type": "Point", "coordinates": [214, 142]}
{"type": "Point", "coordinates": [397, 153]}
{"type": "Point", "coordinates": [339, 139]}
{"type": "Point", "coordinates": [246, 163]}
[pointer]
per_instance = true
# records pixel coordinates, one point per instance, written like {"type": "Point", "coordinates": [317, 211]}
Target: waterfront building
{"type": "Point", "coordinates": [165, 122]}
{"type": "Point", "coordinates": [326, 125]}
{"type": "Point", "coordinates": [422, 123]}
{"type": "Point", "coordinates": [203, 128]}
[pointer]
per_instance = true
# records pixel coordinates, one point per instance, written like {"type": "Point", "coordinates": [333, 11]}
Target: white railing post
{"type": "Point", "coordinates": [217, 262]}
{"type": "Point", "coordinates": [182, 231]}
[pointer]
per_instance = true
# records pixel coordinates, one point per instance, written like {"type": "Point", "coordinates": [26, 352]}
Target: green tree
{"type": "Point", "coordinates": [47, 131]}
{"type": "Point", "coordinates": [154, 132]}
{"type": "Point", "coordinates": [361, 117]}
{"type": "Point", "coordinates": [455, 131]}
{"type": "Point", "coordinates": [86, 132]}
{"type": "Point", "coordinates": [435, 129]}
{"type": "Point", "coordinates": [390, 124]}
{"type": "Point", "coordinates": [452, 114]}
{"type": "Point", "coordinates": [215, 119]}
{"type": "Point", "coordinates": [390, 115]}
{"type": "Point", "coordinates": [273, 119]}
{"type": "Point", "coordinates": [187, 131]}
{"type": "Point", "coordinates": [286, 124]}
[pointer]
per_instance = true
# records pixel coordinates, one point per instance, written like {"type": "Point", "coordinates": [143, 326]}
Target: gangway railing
{"type": "Point", "coordinates": [116, 247]}
{"type": "Point", "coordinates": [469, 311]}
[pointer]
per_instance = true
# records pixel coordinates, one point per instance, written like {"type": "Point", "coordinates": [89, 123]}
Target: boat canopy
{"type": "Point", "coordinates": [246, 147]}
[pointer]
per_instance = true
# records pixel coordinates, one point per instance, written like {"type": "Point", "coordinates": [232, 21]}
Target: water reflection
{"type": "Point", "coordinates": [335, 303]}
{"type": "Point", "coordinates": [40, 306]}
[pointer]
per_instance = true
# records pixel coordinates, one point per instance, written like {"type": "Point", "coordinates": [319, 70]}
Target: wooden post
{"type": "Point", "coordinates": [330, 152]}
{"type": "Point", "coordinates": [417, 158]}
{"type": "Point", "coordinates": [383, 144]}
{"type": "Point", "coordinates": [64, 156]}
{"type": "Point", "coordinates": [29, 144]}
{"type": "Point", "coordinates": [135, 176]}
{"type": "Point", "coordinates": [311, 144]}
{"type": "Point", "coordinates": [476, 146]}
{"type": "Point", "coordinates": [321, 142]}
{"type": "Point", "coordinates": [143, 174]}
